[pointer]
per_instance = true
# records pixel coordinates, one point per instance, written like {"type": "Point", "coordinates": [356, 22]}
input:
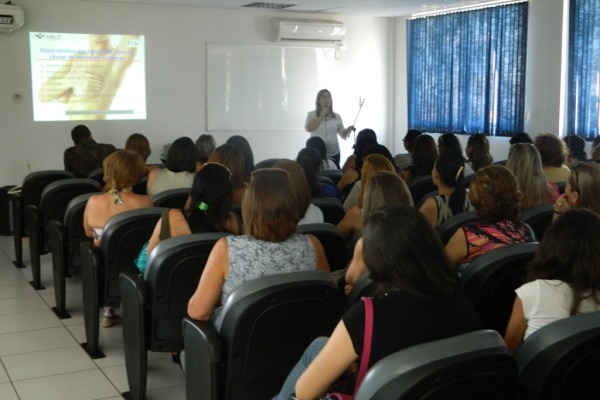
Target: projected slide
{"type": "Point", "coordinates": [87, 76]}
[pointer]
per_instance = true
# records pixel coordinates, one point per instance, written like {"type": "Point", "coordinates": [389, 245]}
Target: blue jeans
{"type": "Point", "coordinates": [289, 386]}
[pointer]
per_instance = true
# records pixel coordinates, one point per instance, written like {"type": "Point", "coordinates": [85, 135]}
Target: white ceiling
{"type": "Point", "coordinates": [377, 8]}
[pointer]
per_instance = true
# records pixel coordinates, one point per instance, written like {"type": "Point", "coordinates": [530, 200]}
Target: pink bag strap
{"type": "Point", "coordinates": [367, 341]}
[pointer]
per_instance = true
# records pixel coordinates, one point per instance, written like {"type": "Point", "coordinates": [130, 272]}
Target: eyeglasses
{"type": "Point", "coordinates": [219, 165]}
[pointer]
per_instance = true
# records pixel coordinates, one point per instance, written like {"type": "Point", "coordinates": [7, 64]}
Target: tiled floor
{"type": "Point", "coordinates": [40, 356]}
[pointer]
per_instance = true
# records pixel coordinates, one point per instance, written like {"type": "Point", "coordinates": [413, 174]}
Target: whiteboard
{"type": "Point", "coordinates": [258, 88]}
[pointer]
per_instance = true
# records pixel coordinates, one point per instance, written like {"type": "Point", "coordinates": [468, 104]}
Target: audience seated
{"type": "Point", "coordinates": [311, 214]}
{"type": "Point", "coordinates": [576, 146]}
{"type": "Point", "coordinates": [205, 146]}
{"type": "Point", "coordinates": [422, 303]}
{"type": "Point", "coordinates": [180, 167]}
{"type": "Point", "coordinates": [582, 189]}
{"type": "Point", "coordinates": [449, 141]}
{"type": "Point", "coordinates": [122, 170]}
{"type": "Point", "coordinates": [209, 211]}
{"type": "Point", "coordinates": [140, 144]}
{"type": "Point", "coordinates": [86, 155]}
{"type": "Point", "coordinates": [525, 163]}
{"type": "Point", "coordinates": [270, 245]}
{"type": "Point", "coordinates": [423, 155]}
{"type": "Point", "coordinates": [242, 144]}
{"type": "Point", "coordinates": [553, 152]}
{"type": "Point", "coordinates": [494, 193]}
{"type": "Point", "coordinates": [381, 188]}
{"type": "Point", "coordinates": [233, 159]}
{"type": "Point", "coordinates": [317, 143]}
{"type": "Point", "coordinates": [403, 160]}
{"type": "Point", "coordinates": [310, 161]}
{"type": "Point", "coordinates": [353, 165]}
{"type": "Point", "coordinates": [449, 176]}
{"type": "Point", "coordinates": [478, 152]}
{"type": "Point", "coordinates": [563, 279]}
{"type": "Point", "coordinates": [376, 162]}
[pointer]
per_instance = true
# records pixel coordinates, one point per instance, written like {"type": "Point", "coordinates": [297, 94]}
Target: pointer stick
{"type": "Point", "coordinates": [360, 104]}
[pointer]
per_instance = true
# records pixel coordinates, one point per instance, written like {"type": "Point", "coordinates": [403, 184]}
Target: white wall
{"type": "Point", "coordinates": [176, 39]}
{"type": "Point", "coordinates": [373, 66]}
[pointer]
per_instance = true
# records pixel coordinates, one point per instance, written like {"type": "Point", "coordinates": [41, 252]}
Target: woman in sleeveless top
{"type": "Point", "coordinates": [209, 209]}
{"type": "Point", "coordinates": [179, 171]}
{"type": "Point", "coordinates": [270, 245]}
{"type": "Point", "coordinates": [122, 170]}
{"type": "Point", "coordinates": [494, 193]}
{"type": "Point", "coordinates": [448, 176]}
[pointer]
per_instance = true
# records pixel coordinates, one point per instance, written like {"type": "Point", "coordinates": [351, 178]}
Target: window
{"type": "Point", "coordinates": [466, 71]}
{"type": "Point", "coordinates": [584, 69]}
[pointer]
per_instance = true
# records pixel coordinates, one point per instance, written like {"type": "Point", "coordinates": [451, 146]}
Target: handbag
{"type": "Point", "coordinates": [366, 353]}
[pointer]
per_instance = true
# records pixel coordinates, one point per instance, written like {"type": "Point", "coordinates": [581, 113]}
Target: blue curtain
{"type": "Point", "coordinates": [466, 71]}
{"type": "Point", "coordinates": [584, 68]}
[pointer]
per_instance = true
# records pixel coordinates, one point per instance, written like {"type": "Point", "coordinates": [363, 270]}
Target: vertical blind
{"type": "Point", "coordinates": [584, 68]}
{"type": "Point", "coordinates": [466, 71]}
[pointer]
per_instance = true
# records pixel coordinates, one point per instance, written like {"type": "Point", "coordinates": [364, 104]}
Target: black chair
{"type": "Point", "coordinates": [334, 174]}
{"type": "Point", "coordinates": [53, 204]}
{"type": "Point", "coordinates": [501, 162]}
{"type": "Point", "coordinates": [153, 308]}
{"type": "Point", "coordinates": [173, 198]}
{"type": "Point", "coordinates": [451, 225]}
{"type": "Point", "coordinates": [268, 163]}
{"type": "Point", "coordinates": [64, 238]}
{"type": "Point", "coordinates": [561, 186]}
{"type": "Point", "coordinates": [332, 208]}
{"type": "Point", "coordinates": [334, 246]}
{"type": "Point", "coordinates": [364, 287]}
{"type": "Point", "coordinates": [474, 366]}
{"type": "Point", "coordinates": [31, 193]}
{"type": "Point", "coordinates": [98, 176]}
{"type": "Point", "coordinates": [141, 186]}
{"type": "Point", "coordinates": [259, 335]}
{"type": "Point", "coordinates": [539, 218]}
{"type": "Point", "coordinates": [122, 239]}
{"type": "Point", "coordinates": [425, 197]}
{"type": "Point", "coordinates": [561, 360]}
{"type": "Point", "coordinates": [490, 281]}
{"type": "Point", "coordinates": [420, 186]}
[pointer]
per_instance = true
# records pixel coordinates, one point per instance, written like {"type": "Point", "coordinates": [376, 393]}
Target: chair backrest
{"type": "Point", "coordinates": [334, 246]}
{"type": "Point", "coordinates": [561, 186]}
{"type": "Point", "coordinates": [449, 226]}
{"type": "Point", "coordinates": [334, 174]}
{"type": "Point", "coordinates": [122, 239]}
{"type": "Point", "coordinates": [364, 287]}
{"type": "Point", "coordinates": [490, 281]}
{"type": "Point", "coordinates": [268, 163]}
{"type": "Point", "coordinates": [332, 208]}
{"type": "Point", "coordinates": [265, 326]}
{"type": "Point", "coordinates": [475, 365]}
{"type": "Point", "coordinates": [35, 182]}
{"type": "Point", "coordinates": [57, 196]}
{"type": "Point", "coordinates": [538, 218]}
{"type": "Point", "coordinates": [425, 197]}
{"type": "Point", "coordinates": [561, 360]}
{"type": "Point", "coordinates": [141, 186]}
{"type": "Point", "coordinates": [97, 175]}
{"type": "Point", "coordinates": [172, 275]}
{"type": "Point", "coordinates": [73, 224]}
{"type": "Point", "coordinates": [172, 198]}
{"type": "Point", "coordinates": [420, 186]}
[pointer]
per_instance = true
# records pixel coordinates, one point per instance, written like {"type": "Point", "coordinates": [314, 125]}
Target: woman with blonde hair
{"type": "Point", "coordinates": [582, 189]}
{"type": "Point", "coordinates": [525, 163]}
{"type": "Point", "coordinates": [122, 170]}
{"type": "Point", "coordinates": [270, 245]}
{"type": "Point", "coordinates": [376, 162]}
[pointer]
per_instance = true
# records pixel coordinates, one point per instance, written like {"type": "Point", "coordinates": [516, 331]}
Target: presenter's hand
{"type": "Point", "coordinates": [351, 128]}
{"type": "Point", "coordinates": [324, 112]}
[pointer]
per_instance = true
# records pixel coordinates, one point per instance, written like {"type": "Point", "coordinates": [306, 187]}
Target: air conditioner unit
{"type": "Point", "coordinates": [329, 31]}
{"type": "Point", "coordinates": [11, 18]}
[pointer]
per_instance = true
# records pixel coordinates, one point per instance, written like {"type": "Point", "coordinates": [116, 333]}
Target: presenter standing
{"type": "Point", "coordinates": [326, 124]}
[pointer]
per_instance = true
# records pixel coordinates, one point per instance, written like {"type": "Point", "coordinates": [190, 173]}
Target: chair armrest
{"type": "Point", "coordinates": [202, 356]}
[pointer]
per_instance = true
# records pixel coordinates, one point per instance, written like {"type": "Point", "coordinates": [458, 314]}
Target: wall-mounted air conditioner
{"type": "Point", "coordinates": [11, 18]}
{"type": "Point", "coordinates": [330, 31]}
